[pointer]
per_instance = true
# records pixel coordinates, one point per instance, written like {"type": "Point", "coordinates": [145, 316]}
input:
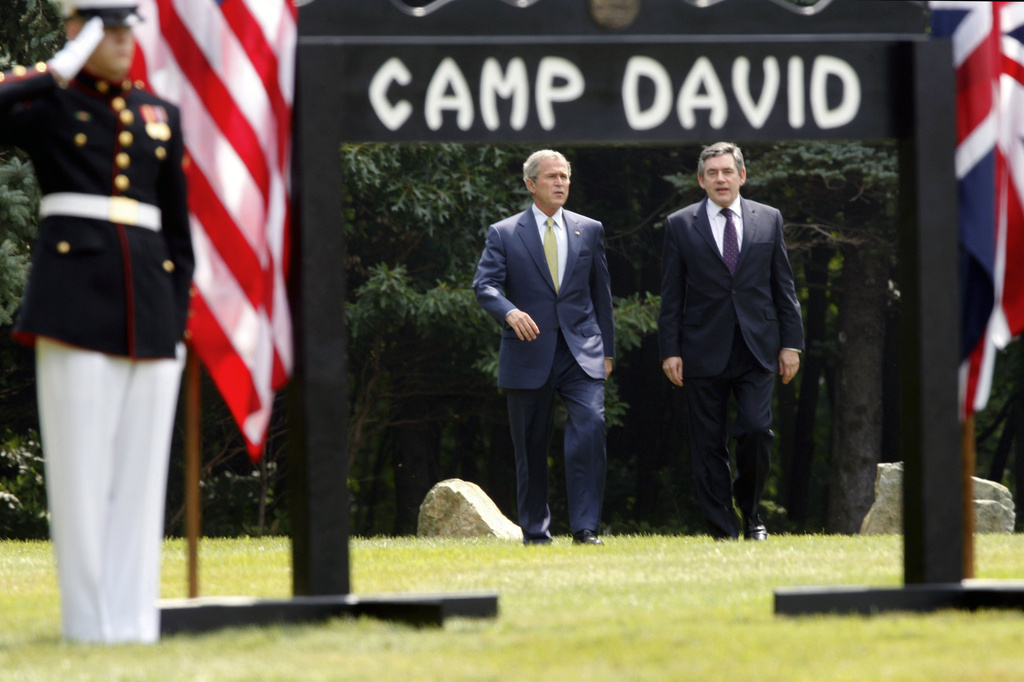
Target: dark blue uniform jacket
{"type": "Point", "coordinates": [96, 284]}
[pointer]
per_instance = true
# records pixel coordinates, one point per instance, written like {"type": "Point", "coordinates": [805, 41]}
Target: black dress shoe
{"type": "Point", "coordinates": [753, 529]}
{"type": "Point", "coordinates": [586, 537]}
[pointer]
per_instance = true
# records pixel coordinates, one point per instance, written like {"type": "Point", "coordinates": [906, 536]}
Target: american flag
{"type": "Point", "coordinates": [988, 55]}
{"type": "Point", "coordinates": [229, 66]}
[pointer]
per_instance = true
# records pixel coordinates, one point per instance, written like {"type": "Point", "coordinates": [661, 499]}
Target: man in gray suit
{"type": "Point", "coordinates": [729, 321]}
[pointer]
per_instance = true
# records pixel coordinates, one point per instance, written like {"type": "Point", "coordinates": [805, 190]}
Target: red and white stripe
{"type": "Point", "coordinates": [229, 66]}
{"type": "Point", "coordinates": [1008, 317]}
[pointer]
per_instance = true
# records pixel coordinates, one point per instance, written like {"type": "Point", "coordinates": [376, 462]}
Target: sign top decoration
{"type": "Point", "coordinates": [565, 18]}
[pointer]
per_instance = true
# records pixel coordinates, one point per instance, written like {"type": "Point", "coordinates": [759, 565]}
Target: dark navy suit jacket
{"type": "Point", "coordinates": [513, 273]}
{"type": "Point", "coordinates": [116, 289]}
{"type": "Point", "coordinates": [702, 304]}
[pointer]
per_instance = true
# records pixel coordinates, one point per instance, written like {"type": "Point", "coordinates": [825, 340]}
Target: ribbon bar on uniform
{"type": "Point", "coordinates": [119, 210]}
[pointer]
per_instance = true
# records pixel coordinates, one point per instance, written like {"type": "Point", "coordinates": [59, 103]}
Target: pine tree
{"type": "Point", "coordinates": [30, 31]}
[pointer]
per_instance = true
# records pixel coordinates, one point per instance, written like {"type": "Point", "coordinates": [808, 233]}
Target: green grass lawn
{"type": "Point", "coordinates": [638, 608]}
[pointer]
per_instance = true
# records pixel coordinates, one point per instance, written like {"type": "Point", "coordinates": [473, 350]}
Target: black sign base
{"type": "Point", "coordinates": [179, 616]}
{"type": "Point", "coordinates": [969, 595]}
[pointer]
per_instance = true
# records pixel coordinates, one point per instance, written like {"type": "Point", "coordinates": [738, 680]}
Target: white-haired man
{"type": "Point", "coordinates": [544, 277]}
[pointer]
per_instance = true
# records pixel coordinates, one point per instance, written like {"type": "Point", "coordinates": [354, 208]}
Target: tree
{"type": "Point", "coordinates": [30, 31]}
{"type": "Point", "coordinates": [421, 349]}
{"type": "Point", "coordinates": [847, 202]}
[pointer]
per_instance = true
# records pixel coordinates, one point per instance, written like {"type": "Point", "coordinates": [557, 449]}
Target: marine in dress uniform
{"type": "Point", "coordinates": [105, 307]}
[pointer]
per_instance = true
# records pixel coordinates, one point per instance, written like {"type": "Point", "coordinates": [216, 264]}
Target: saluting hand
{"type": "Point", "coordinates": [76, 52]}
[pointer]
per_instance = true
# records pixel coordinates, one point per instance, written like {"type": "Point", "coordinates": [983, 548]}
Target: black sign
{"type": "Point", "coordinates": [693, 70]}
{"type": "Point", "coordinates": [659, 92]}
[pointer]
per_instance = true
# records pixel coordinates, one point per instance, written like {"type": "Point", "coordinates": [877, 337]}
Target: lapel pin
{"type": "Point", "coordinates": [577, 233]}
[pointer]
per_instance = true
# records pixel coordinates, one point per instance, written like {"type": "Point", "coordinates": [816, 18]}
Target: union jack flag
{"type": "Point", "coordinates": [229, 66]}
{"type": "Point", "coordinates": [988, 55]}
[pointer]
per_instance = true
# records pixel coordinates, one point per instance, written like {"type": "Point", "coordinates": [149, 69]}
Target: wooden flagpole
{"type": "Point", "coordinates": [193, 463]}
{"type": "Point", "coordinates": [968, 449]}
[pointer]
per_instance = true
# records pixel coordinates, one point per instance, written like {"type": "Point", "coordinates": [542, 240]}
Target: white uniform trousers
{"type": "Point", "coordinates": [106, 424]}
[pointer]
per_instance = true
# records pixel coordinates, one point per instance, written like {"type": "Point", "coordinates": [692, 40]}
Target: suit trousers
{"type": "Point", "coordinates": [708, 405]}
{"type": "Point", "coordinates": [529, 412]}
{"type": "Point", "coordinates": [106, 424]}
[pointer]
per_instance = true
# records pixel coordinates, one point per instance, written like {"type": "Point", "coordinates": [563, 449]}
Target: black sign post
{"type": "Point", "coordinates": [640, 71]}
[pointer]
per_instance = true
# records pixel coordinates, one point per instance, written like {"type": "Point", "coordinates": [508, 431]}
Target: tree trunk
{"type": "Point", "coordinates": [500, 467]}
{"type": "Point", "coordinates": [798, 476]}
{"type": "Point", "coordinates": [892, 440]}
{"type": "Point", "coordinates": [857, 417]}
{"type": "Point", "coordinates": [415, 461]}
{"type": "Point", "coordinates": [640, 439]}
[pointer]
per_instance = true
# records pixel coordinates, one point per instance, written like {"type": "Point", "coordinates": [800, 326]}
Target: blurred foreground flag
{"type": "Point", "coordinates": [229, 66]}
{"type": "Point", "coordinates": [988, 55]}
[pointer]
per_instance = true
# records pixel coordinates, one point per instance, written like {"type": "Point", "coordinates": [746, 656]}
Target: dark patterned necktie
{"type": "Point", "coordinates": [730, 245]}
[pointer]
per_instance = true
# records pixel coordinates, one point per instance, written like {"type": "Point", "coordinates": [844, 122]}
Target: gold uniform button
{"type": "Point", "coordinates": [41, 67]}
{"type": "Point", "coordinates": [122, 182]}
{"type": "Point", "coordinates": [126, 84]}
{"type": "Point", "coordinates": [81, 139]}
{"type": "Point", "coordinates": [19, 71]}
{"type": "Point", "coordinates": [126, 138]}
{"type": "Point", "coordinates": [117, 104]}
{"type": "Point", "coordinates": [102, 86]}
{"type": "Point", "coordinates": [127, 117]}
{"type": "Point", "coordinates": [161, 153]}
{"type": "Point", "coordinates": [168, 266]}
{"type": "Point", "coordinates": [123, 160]}
{"type": "Point", "coordinates": [1, 78]}
{"type": "Point", "coordinates": [63, 247]}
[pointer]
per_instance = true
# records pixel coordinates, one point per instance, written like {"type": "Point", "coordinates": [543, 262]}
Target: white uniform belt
{"type": "Point", "coordinates": [120, 210]}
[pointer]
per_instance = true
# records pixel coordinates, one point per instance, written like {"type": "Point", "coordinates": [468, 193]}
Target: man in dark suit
{"type": "Point", "coordinates": [544, 277]}
{"type": "Point", "coordinates": [105, 308]}
{"type": "Point", "coordinates": [729, 321]}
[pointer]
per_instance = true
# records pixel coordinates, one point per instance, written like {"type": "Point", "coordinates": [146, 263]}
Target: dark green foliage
{"type": "Point", "coordinates": [19, 205]}
{"type": "Point", "coordinates": [22, 493]}
{"type": "Point", "coordinates": [422, 352]}
{"type": "Point", "coordinates": [1000, 427]}
{"type": "Point", "coordinates": [30, 31]}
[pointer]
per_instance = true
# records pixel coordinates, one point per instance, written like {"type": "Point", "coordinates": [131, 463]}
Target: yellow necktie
{"type": "Point", "coordinates": [551, 251]}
